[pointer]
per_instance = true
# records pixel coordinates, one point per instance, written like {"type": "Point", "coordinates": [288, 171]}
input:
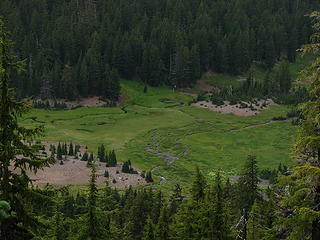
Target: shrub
{"type": "Point", "coordinates": [280, 118]}
{"type": "Point", "coordinates": [217, 101]}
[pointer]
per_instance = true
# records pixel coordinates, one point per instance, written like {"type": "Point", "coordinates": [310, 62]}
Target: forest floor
{"type": "Point", "coordinates": [160, 131]}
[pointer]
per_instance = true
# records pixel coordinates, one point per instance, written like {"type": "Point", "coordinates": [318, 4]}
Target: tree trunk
{"type": "Point", "coordinates": [316, 223]}
{"type": "Point", "coordinates": [244, 231]}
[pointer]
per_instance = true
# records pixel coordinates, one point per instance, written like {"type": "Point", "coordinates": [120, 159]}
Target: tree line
{"type": "Point", "coordinates": [214, 209]}
{"type": "Point", "coordinates": [83, 47]}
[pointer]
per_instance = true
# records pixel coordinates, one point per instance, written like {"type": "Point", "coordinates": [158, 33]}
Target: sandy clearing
{"type": "Point", "coordinates": [75, 172]}
{"type": "Point", "coordinates": [235, 109]}
{"type": "Point", "coordinates": [93, 101]}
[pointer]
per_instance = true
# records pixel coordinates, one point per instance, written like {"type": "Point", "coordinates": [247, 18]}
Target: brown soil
{"type": "Point", "coordinates": [235, 109]}
{"type": "Point", "coordinates": [75, 172]}
{"type": "Point", "coordinates": [94, 101]}
{"type": "Point", "coordinates": [87, 102]}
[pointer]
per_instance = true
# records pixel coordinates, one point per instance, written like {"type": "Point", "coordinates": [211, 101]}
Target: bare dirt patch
{"type": "Point", "coordinates": [87, 102]}
{"type": "Point", "coordinates": [94, 101]}
{"type": "Point", "coordinates": [237, 109]}
{"type": "Point", "coordinates": [75, 172]}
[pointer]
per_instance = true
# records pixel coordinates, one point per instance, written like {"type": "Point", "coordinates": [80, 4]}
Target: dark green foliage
{"type": "Point", "coordinates": [268, 174]}
{"type": "Point", "coordinates": [284, 78]}
{"type": "Point", "coordinates": [71, 151]}
{"type": "Point", "coordinates": [59, 152]}
{"type": "Point", "coordinates": [248, 192]}
{"type": "Point", "coordinates": [283, 169]}
{"type": "Point", "coordinates": [198, 186]}
{"type": "Point", "coordinates": [112, 159]}
{"type": "Point", "coordinates": [175, 200]}
{"type": "Point", "coordinates": [92, 226]}
{"type": "Point", "coordinates": [14, 186]}
{"type": "Point", "coordinates": [148, 177]}
{"type": "Point", "coordinates": [85, 157]}
{"type": "Point", "coordinates": [276, 85]}
{"type": "Point", "coordinates": [102, 153]}
{"type": "Point", "coordinates": [148, 232]}
{"type": "Point", "coordinates": [162, 227]}
{"type": "Point", "coordinates": [219, 216]}
{"type": "Point", "coordinates": [109, 158]}
{"type": "Point", "coordinates": [248, 184]}
{"type": "Point", "coordinates": [52, 149]}
{"type": "Point", "coordinates": [280, 118]}
{"type": "Point", "coordinates": [4, 211]}
{"type": "Point", "coordinates": [90, 160]}
{"type": "Point", "coordinates": [126, 168]}
{"type": "Point", "coordinates": [64, 149]}
{"type": "Point", "coordinates": [106, 174]}
{"type": "Point", "coordinates": [81, 48]}
{"type": "Point", "coordinates": [77, 148]}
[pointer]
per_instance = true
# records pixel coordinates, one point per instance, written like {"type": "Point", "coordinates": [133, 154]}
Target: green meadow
{"type": "Point", "coordinates": [159, 130]}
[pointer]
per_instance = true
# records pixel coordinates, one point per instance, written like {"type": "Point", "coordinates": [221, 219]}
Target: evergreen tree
{"type": "Point", "coordinates": [149, 177]}
{"type": "Point", "coordinates": [148, 232]}
{"type": "Point", "coordinates": [80, 49]}
{"type": "Point", "coordinates": [175, 200]}
{"type": "Point", "coordinates": [113, 92]}
{"type": "Point", "coordinates": [112, 160]}
{"type": "Point", "coordinates": [284, 77]}
{"type": "Point", "coordinates": [218, 224]}
{"type": "Point", "coordinates": [162, 227]}
{"type": "Point", "coordinates": [102, 153]}
{"type": "Point", "coordinates": [90, 160]}
{"type": "Point", "coordinates": [64, 149]}
{"type": "Point", "coordinates": [92, 201]}
{"type": "Point", "coordinates": [85, 157]}
{"type": "Point", "coordinates": [198, 186]}
{"type": "Point", "coordinates": [59, 232]}
{"type": "Point", "coordinates": [59, 152]}
{"type": "Point", "coordinates": [248, 190]}
{"type": "Point", "coordinates": [91, 226]}
{"type": "Point", "coordinates": [301, 202]}
{"type": "Point", "coordinates": [14, 187]}
{"type": "Point", "coordinates": [71, 152]}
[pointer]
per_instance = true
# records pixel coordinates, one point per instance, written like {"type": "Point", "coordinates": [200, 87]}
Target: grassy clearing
{"type": "Point", "coordinates": [159, 126]}
{"type": "Point", "coordinates": [259, 73]}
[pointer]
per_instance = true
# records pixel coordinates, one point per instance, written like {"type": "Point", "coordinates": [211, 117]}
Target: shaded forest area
{"type": "Point", "coordinates": [79, 48]}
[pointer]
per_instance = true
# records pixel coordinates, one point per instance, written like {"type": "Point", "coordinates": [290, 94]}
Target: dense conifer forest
{"type": "Point", "coordinates": [82, 47]}
{"type": "Point", "coordinates": [73, 48]}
